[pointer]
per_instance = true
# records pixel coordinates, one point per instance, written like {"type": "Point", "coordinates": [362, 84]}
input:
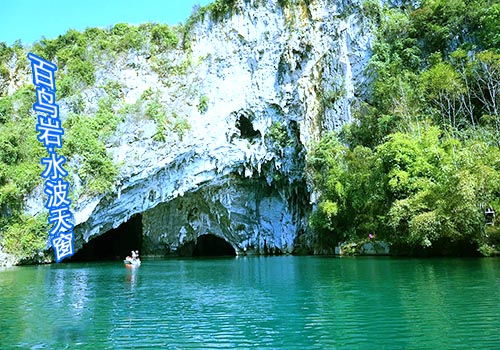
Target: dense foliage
{"type": "Point", "coordinates": [20, 168]}
{"type": "Point", "coordinates": [420, 166]}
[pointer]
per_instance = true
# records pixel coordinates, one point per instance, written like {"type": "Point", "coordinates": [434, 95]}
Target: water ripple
{"type": "Point", "coordinates": [263, 303]}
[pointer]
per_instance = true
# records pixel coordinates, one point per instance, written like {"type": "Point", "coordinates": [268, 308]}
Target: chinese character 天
{"type": "Point", "coordinates": [50, 135]}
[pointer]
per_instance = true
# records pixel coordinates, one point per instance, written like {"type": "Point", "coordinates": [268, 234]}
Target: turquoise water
{"type": "Point", "coordinates": [271, 303]}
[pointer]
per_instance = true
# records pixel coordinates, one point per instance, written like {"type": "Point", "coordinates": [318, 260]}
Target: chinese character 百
{"type": "Point", "coordinates": [42, 72]}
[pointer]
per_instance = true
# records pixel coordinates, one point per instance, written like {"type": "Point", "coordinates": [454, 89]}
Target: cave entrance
{"type": "Point", "coordinates": [207, 246]}
{"type": "Point", "coordinates": [115, 244]}
{"type": "Point", "coordinates": [246, 129]}
{"type": "Point", "coordinates": [211, 245]}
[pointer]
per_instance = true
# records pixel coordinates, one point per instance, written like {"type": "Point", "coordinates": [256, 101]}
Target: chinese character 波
{"type": "Point", "coordinates": [57, 192]}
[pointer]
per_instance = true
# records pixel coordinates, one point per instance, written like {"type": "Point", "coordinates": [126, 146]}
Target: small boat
{"type": "Point", "coordinates": [132, 262]}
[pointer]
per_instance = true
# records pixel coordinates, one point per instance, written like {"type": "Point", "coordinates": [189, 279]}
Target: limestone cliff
{"type": "Point", "coordinates": [256, 88]}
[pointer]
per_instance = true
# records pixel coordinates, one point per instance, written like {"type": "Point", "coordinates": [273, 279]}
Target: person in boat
{"type": "Point", "coordinates": [134, 257]}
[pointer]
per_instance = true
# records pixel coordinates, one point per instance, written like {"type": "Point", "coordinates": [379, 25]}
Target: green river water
{"type": "Point", "coordinates": [258, 302]}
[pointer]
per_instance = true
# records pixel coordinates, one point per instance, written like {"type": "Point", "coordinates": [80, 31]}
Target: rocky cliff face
{"type": "Point", "coordinates": [256, 88]}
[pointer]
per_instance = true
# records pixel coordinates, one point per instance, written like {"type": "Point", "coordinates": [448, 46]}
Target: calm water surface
{"type": "Point", "coordinates": [274, 303]}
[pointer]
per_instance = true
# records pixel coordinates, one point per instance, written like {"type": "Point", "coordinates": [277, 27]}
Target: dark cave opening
{"type": "Point", "coordinates": [115, 244]}
{"type": "Point", "coordinates": [246, 129]}
{"type": "Point", "coordinates": [207, 246]}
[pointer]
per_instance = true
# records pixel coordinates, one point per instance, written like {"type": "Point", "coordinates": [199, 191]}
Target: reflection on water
{"type": "Point", "coordinates": [131, 277]}
{"type": "Point", "coordinates": [279, 302]}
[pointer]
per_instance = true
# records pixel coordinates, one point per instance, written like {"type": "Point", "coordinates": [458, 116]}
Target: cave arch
{"type": "Point", "coordinates": [114, 244]}
{"type": "Point", "coordinates": [244, 124]}
{"type": "Point", "coordinates": [207, 245]}
{"type": "Point", "coordinates": [212, 245]}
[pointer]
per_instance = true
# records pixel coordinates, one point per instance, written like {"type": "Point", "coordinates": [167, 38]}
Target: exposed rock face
{"type": "Point", "coordinates": [297, 70]}
{"type": "Point", "coordinates": [250, 214]}
{"type": "Point", "coordinates": [7, 260]}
